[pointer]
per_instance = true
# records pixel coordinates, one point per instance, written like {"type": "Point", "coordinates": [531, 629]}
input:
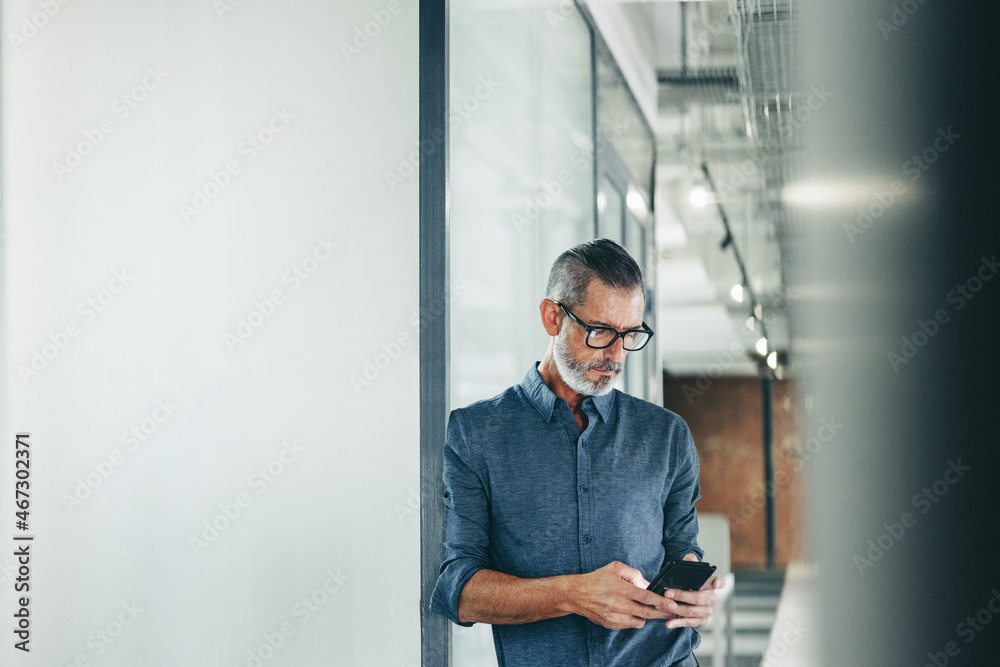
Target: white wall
{"type": "Point", "coordinates": [169, 285]}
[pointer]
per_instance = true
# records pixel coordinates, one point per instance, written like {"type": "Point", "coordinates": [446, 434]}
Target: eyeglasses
{"type": "Point", "coordinates": [602, 337]}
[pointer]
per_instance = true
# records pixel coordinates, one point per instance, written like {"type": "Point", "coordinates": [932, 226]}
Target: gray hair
{"type": "Point", "coordinates": [601, 258]}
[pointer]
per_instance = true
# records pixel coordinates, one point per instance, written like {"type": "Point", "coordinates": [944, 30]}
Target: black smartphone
{"type": "Point", "coordinates": [686, 575]}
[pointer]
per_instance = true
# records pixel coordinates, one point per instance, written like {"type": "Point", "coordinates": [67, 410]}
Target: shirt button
{"type": "Point", "coordinates": [583, 488]}
{"type": "Point", "coordinates": [586, 539]}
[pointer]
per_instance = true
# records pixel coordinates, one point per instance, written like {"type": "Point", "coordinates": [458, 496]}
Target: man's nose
{"type": "Point", "coordinates": [616, 352]}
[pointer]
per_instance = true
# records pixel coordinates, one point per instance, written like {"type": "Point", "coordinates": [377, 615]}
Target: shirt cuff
{"type": "Point", "coordinates": [453, 577]}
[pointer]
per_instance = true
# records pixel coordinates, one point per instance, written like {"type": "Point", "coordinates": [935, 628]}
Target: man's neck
{"type": "Point", "coordinates": [550, 376]}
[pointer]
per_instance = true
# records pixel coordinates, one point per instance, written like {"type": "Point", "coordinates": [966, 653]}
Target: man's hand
{"type": "Point", "coordinates": [692, 608]}
{"type": "Point", "coordinates": [615, 597]}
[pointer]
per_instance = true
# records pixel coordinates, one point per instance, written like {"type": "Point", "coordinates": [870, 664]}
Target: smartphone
{"type": "Point", "coordinates": [685, 575]}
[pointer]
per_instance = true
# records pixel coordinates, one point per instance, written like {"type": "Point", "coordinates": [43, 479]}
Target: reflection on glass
{"type": "Point", "coordinates": [522, 191]}
{"type": "Point", "coordinates": [621, 126]}
{"type": "Point", "coordinates": [521, 181]}
{"type": "Point", "coordinates": [638, 368]}
{"type": "Point", "coordinates": [611, 219]}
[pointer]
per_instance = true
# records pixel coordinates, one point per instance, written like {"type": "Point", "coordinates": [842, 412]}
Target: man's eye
{"type": "Point", "coordinates": [601, 335]}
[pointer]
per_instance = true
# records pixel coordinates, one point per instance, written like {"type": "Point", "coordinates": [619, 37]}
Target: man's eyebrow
{"type": "Point", "coordinates": [600, 323]}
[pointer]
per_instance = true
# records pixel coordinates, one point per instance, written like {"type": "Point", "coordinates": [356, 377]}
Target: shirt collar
{"type": "Point", "coordinates": [544, 399]}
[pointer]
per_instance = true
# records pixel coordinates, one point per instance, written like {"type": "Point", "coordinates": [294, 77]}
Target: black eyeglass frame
{"type": "Point", "coordinates": [618, 334]}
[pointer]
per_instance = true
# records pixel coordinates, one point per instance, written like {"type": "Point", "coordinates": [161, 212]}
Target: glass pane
{"type": "Point", "coordinates": [638, 369]}
{"type": "Point", "coordinates": [610, 211]}
{"type": "Point", "coordinates": [620, 123]}
{"type": "Point", "coordinates": [522, 191]}
{"type": "Point", "coordinates": [521, 180]}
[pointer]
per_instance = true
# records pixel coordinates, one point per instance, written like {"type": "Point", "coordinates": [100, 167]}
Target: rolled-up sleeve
{"type": "Point", "coordinates": [680, 521]}
{"type": "Point", "coordinates": [467, 536]}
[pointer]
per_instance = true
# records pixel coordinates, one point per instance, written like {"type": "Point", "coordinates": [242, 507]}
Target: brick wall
{"type": "Point", "coordinates": [726, 420]}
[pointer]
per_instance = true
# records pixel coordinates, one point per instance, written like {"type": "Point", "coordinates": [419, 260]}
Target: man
{"type": "Point", "coordinates": [562, 492]}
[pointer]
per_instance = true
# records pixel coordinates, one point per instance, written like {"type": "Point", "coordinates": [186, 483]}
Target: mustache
{"type": "Point", "coordinates": [606, 365]}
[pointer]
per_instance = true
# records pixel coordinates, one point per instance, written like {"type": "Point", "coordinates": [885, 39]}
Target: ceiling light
{"type": "Point", "coordinates": [699, 197]}
{"type": "Point", "coordinates": [737, 293]}
{"type": "Point", "coordinates": [830, 193]}
{"type": "Point", "coordinates": [751, 323]}
{"type": "Point", "coordinates": [772, 360]}
{"type": "Point", "coordinates": [761, 346]}
{"type": "Point", "coordinates": [636, 203]}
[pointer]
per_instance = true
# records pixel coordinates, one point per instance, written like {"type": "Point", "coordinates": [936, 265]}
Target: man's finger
{"type": "Point", "coordinates": [705, 597]}
{"type": "Point", "coordinates": [691, 611]}
{"type": "Point", "coordinates": [631, 575]}
{"type": "Point", "coordinates": [686, 622]}
{"type": "Point", "coordinates": [646, 611]}
{"type": "Point", "coordinates": [649, 598]}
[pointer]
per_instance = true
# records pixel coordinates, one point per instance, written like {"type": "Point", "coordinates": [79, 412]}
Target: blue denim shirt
{"type": "Point", "coordinates": [529, 495]}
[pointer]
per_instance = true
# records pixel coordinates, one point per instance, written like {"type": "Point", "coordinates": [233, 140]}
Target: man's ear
{"type": "Point", "coordinates": [551, 316]}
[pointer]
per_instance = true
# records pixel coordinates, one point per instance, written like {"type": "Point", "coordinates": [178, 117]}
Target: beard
{"type": "Point", "coordinates": [573, 372]}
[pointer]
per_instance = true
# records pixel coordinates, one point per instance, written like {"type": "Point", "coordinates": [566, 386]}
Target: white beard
{"type": "Point", "coordinates": [573, 372]}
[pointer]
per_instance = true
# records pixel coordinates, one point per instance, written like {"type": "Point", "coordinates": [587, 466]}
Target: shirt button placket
{"type": "Point", "coordinates": [586, 528]}
{"type": "Point", "coordinates": [594, 654]}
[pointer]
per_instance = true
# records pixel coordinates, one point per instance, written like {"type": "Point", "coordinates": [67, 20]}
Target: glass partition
{"type": "Point", "coordinates": [522, 191]}
{"type": "Point", "coordinates": [526, 144]}
{"type": "Point", "coordinates": [625, 156]}
{"type": "Point", "coordinates": [521, 180]}
{"type": "Point", "coordinates": [610, 210]}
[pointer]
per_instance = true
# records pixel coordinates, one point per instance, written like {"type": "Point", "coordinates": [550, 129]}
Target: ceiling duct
{"type": "Point", "coordinates": [681, 87]}
{"type": "Point", "coordinates": [768, 69]}
{"type": "Point", "coordinates": [767, 49]}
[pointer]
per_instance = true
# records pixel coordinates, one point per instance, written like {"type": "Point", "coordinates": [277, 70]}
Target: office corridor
{"type": "Point", "coordinates": [754, 607]}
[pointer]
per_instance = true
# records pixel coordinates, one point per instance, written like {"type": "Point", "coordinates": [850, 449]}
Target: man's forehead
{"type": "Point", "coordinates": [613, 306]}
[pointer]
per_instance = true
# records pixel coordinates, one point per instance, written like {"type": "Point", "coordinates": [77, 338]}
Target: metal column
{"type": "Point", "coordinates": [768, 401]}
{"type": "Point", "coordinates": [435, 649]}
